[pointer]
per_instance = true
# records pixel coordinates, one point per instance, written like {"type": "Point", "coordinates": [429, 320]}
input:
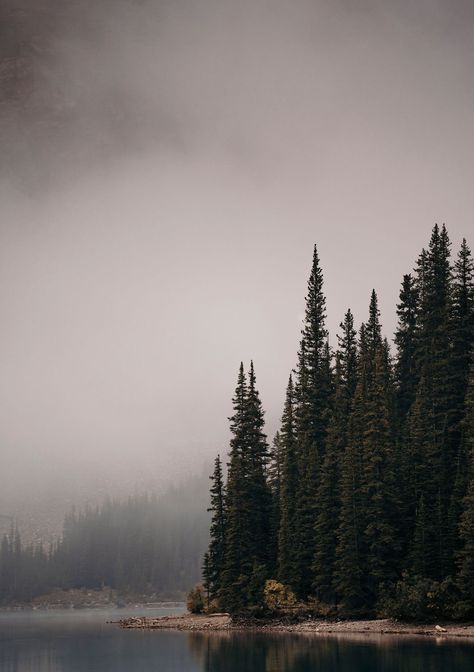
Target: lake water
{"type": "Point", "coordinates": [82, 641]}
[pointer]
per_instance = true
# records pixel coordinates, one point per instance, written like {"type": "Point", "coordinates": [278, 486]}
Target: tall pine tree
{"type": "Point", "coordinates": [313, 395]}
{"type": "Point", "coordinates": [287, 562]}
{"type": "Point", "coordinates": [214, 562]}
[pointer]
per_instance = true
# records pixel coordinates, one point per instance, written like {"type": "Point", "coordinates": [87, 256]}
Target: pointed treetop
{"type": "Point", "coordinates": [252, 375]}
{"type": "Point", "coordinates": [315, 314]}
{"type": "Point", "coordinates": [374, 329]}
{"type": "Point", "coordinates": [347, 353]}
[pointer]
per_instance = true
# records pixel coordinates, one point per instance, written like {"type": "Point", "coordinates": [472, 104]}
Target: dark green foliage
{"type": "Point", "coordinates": [373, 328]}
{"type": "Point", "coordinates": [350, 550]}
{"type": "Point", "coordinates": [288, 487]}
{"type": "Point", "coordinates": [417, 598]}
{"type": "Point", "coordinates": [313, 401]}
{"type": "Point", "coordinates": [333, 472]}
{"type": "Point", "coordinates": [431, 421]}
{"type": "Point", "coordinates": [406, 373]}
{"type": "Point", "coordinates": [214, 559]}
{"type": "Point", "coordinates": [259, 492]}
{"type": "Point", "coordinates": [274, 475]}
{"type": "Point", "coordinates": [381, 538]}
{"type": "Point", "coordinates": [466, 529]}
{"type": "Point", "coordinates": [371, 472]}
{"type": "Point", "coordinates": [248, 499]}
{"type": "Point", "coordinates": [347, 351]}
{"type": "Point", "coordinates": [328, 496]}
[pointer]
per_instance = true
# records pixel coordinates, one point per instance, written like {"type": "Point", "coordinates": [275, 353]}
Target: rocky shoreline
{"type": "Point", "coordinates": [223, 622]}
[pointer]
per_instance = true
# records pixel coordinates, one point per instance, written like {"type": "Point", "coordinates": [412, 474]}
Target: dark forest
{"type": "Point", "coordinates": [364, 503]}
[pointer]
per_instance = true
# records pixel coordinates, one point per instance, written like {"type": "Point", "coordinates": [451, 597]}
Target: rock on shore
{"type": "Point", "coordinates": [184, 622]}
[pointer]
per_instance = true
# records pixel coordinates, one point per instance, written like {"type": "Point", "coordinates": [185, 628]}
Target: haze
{"type": "Point", "coordinates": [167, 168]}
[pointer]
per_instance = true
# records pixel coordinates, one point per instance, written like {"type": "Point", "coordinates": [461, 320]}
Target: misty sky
{"type": "Point", "coordinates": [162, 196]}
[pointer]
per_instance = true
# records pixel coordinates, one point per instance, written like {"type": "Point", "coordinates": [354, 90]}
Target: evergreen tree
{"type": "Point", "coordinates": [313, 395]}
{"type": "Point", "coordinates": [329, 493]}
{"type": "Point", "coordinates": [289, 479]}
{"type": "Point", "coordinates": [350, 550]}
{"type": "Point", "coordinates": [239, 533]}
{"type": "Point", "coordinates": [347, 348]}
{"type": "Point", "coordinates": [207, 577]}
{"type": "Point", "coordinates": [248, 500]}
{"type": "Point", "coordinates": [381, 538]}
{"type": "Point", "coordinates": [406, 374]}
{"type": "Point", "coordinates": [275, 470]}
{"type": "Point", "coordinates": [434, 455]}
{"type": "Point", "coordinates": [462, 334]}
{"type": "Point", "coordinates": [258, 488]}
{"type": "Point", "coordinates": [466, 530]}
{"type": "Point", "coordinates": [373, 328]}
{"type": "Point", "coordinates": [214, 559]}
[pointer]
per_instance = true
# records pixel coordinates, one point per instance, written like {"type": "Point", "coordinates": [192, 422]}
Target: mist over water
{"type": "Point", "coordinates": [165, 171]}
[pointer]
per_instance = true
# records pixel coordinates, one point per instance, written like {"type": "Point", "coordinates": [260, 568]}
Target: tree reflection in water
{"type": "Point", "coordinates": [257, 652]}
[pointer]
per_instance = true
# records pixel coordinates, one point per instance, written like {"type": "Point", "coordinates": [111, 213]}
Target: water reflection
{"type": "Point", "coordinates": [248, 652]}
{"type": "Point", "coordinates": [83, 642]}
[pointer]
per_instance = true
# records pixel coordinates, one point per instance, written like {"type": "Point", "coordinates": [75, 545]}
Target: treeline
{"type": "Point", "coordinates": [365, 502]}
{"type": "Point", "coordinates": [145, 545]}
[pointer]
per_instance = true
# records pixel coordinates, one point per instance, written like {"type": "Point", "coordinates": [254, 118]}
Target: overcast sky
{"type": "Point", "coordinates": [164, 230]}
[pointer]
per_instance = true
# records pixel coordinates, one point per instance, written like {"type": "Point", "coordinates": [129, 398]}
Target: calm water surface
{"type": "Point", "coordinates": [82, 641]}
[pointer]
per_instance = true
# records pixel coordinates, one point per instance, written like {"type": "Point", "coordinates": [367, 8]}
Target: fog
{"type": "Point", "coordinates": [166, 170]}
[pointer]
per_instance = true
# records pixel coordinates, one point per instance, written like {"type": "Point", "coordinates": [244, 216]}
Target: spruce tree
{"type": "Point", "coordinates": [347, 349]}
{"type": "Point", "coordinates": [329, 493]}
{"type": "Point", "coordinates": [373, 328]}
{"type": "Point", "coordinates": [462, 336]}
{"type": "Point", "coordinates": [350, 566]}
{"type": "Point", "coordinates": [248, 500]}
{"type": "Point", "coordinates": [429, 426]}
{"type": "Point", "coordinates": [381, 539]}
{"type": "Point", "coordinates": [313, 394]}
{"type": "Point", "coordinates": [238, 560]}
{"type": "Point", "coordinates": [287, 562]}
{"type": "Point", "coordinates": [215, 557]}
{"type": "Point", "coordinates": [258, 488]}
{"type": "Point", "coordinates": [275, 470]}
{"type": "Point", "coordinates": [465, 556]}
{"type": "Point", "coordinates": [406, 375]}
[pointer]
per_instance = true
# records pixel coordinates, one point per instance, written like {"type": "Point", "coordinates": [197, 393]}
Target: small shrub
{"type": "Point", "coordinates": [277, 596]}
{"type": "Point", "coordinates": [417, 598]}
{"type": "Point", "coordinates": [196, 600]}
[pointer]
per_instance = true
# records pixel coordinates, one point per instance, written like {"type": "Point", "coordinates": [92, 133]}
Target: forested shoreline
{"type": "Point", "coordinates": [364, 503]}
{"type": "Point", "coordinates": [143, 547]}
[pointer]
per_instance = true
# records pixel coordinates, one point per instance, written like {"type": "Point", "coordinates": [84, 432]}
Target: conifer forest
{"type": "Point", "coordinates": [363, 504]}
{"type": "Point", "coordinates": [146, 545]}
